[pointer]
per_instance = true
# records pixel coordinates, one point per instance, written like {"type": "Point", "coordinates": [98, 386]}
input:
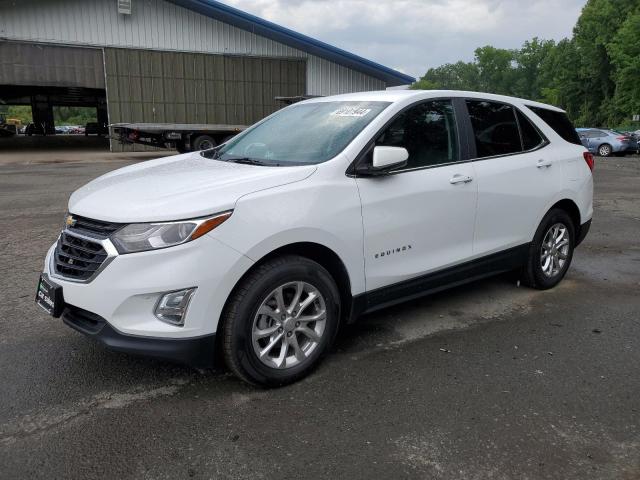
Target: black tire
{"type": "Point", "coordinates": [533, 274]}
{"type": "Point", "coordinates": [203, 142]}
{"type": "Point", "coordinates": [605, 150]}
{"type": "Point", "coordinates": [241, 309]}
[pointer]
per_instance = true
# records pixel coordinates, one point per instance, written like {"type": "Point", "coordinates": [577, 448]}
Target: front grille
{"type": "Point", "coordinates": [91, 226]}
{"type": "Point", "coordinates": [78, 258]}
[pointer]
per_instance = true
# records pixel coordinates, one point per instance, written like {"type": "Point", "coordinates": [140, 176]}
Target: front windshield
{"type": "Point", "coordinates": [303, 134]}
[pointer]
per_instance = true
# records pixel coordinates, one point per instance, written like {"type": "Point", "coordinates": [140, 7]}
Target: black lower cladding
{"type": "Point", "coordinates": [196, 352]}
{"type": "Point", "coordinates": [440, 280]}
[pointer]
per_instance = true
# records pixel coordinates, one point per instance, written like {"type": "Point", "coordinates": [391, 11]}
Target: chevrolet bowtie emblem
{"type": "Point", "coordinates": [70, 221]}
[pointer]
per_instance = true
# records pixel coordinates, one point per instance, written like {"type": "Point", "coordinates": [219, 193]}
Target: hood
{"type": "Point", "coordinates": [176, 188]}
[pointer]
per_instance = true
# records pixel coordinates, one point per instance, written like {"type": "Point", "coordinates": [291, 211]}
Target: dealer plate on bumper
{"type": "Point", "coordinates": [49, 296]}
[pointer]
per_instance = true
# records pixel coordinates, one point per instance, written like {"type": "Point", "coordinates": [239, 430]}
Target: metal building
{"type": "Point", "coordinates": [186, 61]}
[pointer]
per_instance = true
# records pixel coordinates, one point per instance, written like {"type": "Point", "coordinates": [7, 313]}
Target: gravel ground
{"type": "Point", "coordinates": [484, 381]}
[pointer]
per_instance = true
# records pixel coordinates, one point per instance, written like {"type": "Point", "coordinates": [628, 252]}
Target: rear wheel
{"type": "Point", "coordinates": [551, 251]}
{"type": "Point", "coordinates": [605, 150]}
{"type": "Point", "coordinates": [280, 321]}
{"type": "Point", "coordinates": [203, 142]}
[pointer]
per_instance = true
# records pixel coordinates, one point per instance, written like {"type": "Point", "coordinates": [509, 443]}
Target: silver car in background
{"type": "Point", "coordinates": [605, 143]}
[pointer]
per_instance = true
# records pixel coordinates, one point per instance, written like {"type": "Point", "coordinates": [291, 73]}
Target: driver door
{"type": "Point", "coordinates": [420, 218]}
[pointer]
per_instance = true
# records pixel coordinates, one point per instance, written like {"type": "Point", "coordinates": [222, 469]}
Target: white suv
{"type": "Point", "coordinates": [261, 247]}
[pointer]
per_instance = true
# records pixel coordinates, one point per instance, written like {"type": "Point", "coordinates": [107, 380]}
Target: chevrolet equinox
{"type": "Point", "coordinates": [260, 248]}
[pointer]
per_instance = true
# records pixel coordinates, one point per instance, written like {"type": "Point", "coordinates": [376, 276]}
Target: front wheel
{"type": "Point", "coordinates": [551, 251]}
{"type": "Point", "coordinates": [280, 321]}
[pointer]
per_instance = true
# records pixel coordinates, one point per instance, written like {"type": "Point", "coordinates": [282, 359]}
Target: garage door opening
{"type": "Point", "coordinates": [14, 119]}
{"type": "Point", "coordinates": [77, 121]}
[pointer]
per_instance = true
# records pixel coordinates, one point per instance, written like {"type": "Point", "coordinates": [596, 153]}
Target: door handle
{"type": "Point", "coordinates": [544, 163]}
{"type": "Point", "coordinates": [457, 178]}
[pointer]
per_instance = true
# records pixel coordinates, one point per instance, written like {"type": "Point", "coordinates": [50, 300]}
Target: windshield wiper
{"type": "Point", "coordinates": [249, 161]}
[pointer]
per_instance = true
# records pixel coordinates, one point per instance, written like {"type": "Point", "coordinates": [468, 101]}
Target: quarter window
{"type": "Point", "coordinates": [427, 131]}
{"type": "Point", "coordinates": [559, 122]}
{"type": "Point", "coordinates": [495, 128]}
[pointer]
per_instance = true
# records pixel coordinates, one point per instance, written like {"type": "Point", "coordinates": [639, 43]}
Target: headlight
{"type": "Point", "coordinates": [138, 237]}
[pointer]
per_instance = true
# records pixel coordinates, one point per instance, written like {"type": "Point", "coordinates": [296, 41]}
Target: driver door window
{"type": "Point", "coordinates": [427, 131]}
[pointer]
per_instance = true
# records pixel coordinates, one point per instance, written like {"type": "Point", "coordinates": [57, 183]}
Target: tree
{"type": "Point", "coordinates": [594, 76]}
{"type": "Point", "coordinates": [451, 76]}
{"type": "Point", "coordinates": [559, 79]}
{"type": "Point", "coordinates": [496, 70]}
{"type": "Point", "coordinates": [594, 31]}
{"type": "Point", "coordinates": [624, 51]}
{"type": "Point", "coordinates": [530, 59]}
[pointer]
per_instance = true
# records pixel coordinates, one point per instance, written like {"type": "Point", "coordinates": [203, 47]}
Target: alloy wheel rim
{"type": "Point", "coordinates": [604, 151]}
{"type": "Point", "coordinates": [554, 251]}
{"type": "Point", "coordinates": [289, 325]}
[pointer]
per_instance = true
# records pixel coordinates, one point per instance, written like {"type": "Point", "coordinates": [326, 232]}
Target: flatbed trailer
{"type": "Point", "coordinates": [184, 137]}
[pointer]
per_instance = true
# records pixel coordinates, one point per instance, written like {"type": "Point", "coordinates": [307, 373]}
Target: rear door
{"type": "Point", "coordinates": [420, 218]}
{"type": "Point", "coordinates": [517, 176]}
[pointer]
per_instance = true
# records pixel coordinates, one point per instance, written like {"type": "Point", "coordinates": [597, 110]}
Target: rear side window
{"type": "Point", "coordinates": [559, 122]}
{"type": "Point", "coordinates": [531, 138]}
{"type": "Point", "coordinates": [495, 128]}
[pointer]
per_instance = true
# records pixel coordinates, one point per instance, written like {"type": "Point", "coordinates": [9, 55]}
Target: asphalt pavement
{"type": "Point", "coordinates": [489, 380]}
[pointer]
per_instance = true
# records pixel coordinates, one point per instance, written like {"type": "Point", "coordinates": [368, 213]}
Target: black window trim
{"type": "Point", "coordinates": [472, 139]}
{"type": "Point", "coordinates": [542, 144]}
{"type": "Point", "coordinates": [461, 131]}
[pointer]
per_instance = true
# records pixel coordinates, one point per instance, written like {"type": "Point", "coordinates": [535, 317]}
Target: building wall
{"type": "Point", "coordinates": [151, 86]}
{"type": "Point", "coordinates": [159, 25]}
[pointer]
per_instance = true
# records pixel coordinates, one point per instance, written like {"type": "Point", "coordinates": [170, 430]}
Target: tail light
{"type": "Point", "coordinates": [623, 139]}
{"type": "Point", "coordinates": [588, 157]}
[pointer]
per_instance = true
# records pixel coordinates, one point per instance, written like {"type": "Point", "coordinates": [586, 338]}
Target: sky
{"type": "Point", "coordinates": [414, 35]}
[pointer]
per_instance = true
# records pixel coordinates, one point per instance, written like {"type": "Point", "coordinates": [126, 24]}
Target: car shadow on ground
{"type": "Point", "coordinates": [452, 309]}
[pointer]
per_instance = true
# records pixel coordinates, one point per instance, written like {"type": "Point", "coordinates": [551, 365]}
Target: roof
{"type": "Point", "coordinates": [259, 26]}
{"type": "Point", "coordinates": [398, 95]}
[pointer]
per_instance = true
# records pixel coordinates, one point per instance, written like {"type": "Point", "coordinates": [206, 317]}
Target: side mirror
{"type": "Point", "coordinates": [384, 160]}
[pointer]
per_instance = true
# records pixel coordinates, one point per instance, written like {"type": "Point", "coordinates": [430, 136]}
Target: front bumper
{"type": "Point", "coordinates": [197, 352]}
{"type": "Point", "coordinates": [124, 294]}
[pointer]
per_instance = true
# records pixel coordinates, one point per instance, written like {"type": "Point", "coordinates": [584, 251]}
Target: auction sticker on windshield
{"type": "Point", "coordinates": [351, 112]}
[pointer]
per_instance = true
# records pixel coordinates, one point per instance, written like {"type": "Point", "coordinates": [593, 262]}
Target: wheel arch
{"type": "Point", "coordinates": [572, 209]}
{"type": "Point", "coordinates": [324, 256]}
{"type": "Point", "coordinates": [319, 253]}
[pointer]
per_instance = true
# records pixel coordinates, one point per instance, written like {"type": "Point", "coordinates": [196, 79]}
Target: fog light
{"type": "Point", "coordinates": [172, 306]}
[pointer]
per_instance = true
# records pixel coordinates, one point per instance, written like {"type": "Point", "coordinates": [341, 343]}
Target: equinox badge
{"type": "Point", "coordinates": [393, 251]}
